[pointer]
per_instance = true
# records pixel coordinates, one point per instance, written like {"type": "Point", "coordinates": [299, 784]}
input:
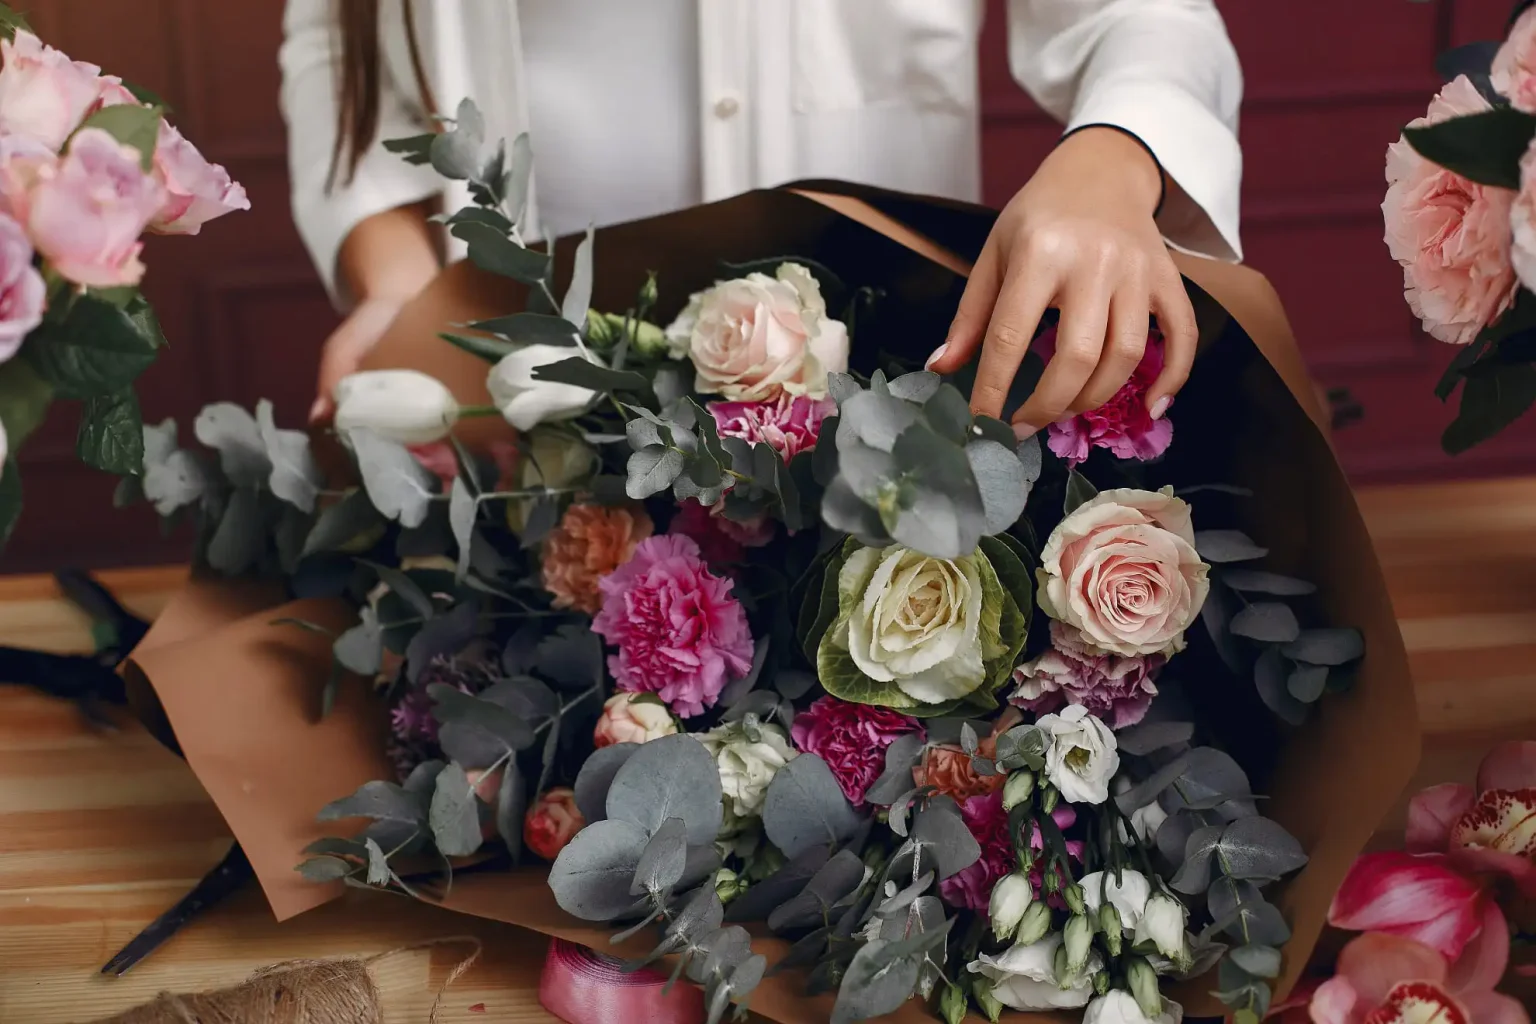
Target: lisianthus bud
{"type": "Point", "coordinates": [1101, 983]}
{"type": "Point", "coordinates": [1078, 943]}
{"type": "Point", "coordinates": [1011, 897]}
{"type": "Point", "coordinates": [648, 291]}
{"type": "Point", "coordinates": [1052, 880]}
{"type": "Point", "coordinates": [1109, 923]}
{"type": "Point", "coordinates": [1143, 981]}
{"type": "Point", "coordinates": [988, 1002]}
{"type": "Point", "coordinates": [1018, 789]}
{"type": "Point", "coordinates": [1034, 924]}
{"type": "Point", "coordinates": [728, 885]}
{"type": "Point", "coordinates": [1073, 894]}
{"type": "Point", "coordinates": [1048, 796]}
{"type": "Point", "coordinates": [603, 329]}
{"type": "Point", "coordinates": [1162, 924]}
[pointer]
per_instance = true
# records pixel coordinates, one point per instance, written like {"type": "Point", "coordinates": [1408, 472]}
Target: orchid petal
{"type": "Point", "coordinates": [1508, 766]}
{"type": "Point", "coordinates": [1482, 963]}
{"type": "Point", "coordinates": [1417, 1002]}
{"type": "Point", "coordinates": [1374, 963]}
{"type": "Point", "coordinates": [1432, 813]}
{"type": "Point", "coordinates": [1335, 1002]}
{"type": "Point", "coordinates": [1416, 896]}
{"type": "Point", "coordinates": [1494, 1008]}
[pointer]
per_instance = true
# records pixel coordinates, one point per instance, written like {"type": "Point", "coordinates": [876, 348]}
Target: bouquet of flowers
{"type": "Point", "coordinates": [1460, 215]}
{"type": "Point", "coordinates": [753, 621]}
{"type": "Point", "coordinates": [88, 164]}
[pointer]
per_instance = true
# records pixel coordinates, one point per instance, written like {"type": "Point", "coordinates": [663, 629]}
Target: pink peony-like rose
{"type": "Point", "coordinates": [86, 213]}
{"type": "Point", "coordinates": [44, 94]}
{"type": "Point", "coordinates": [852, 739]}
{"type": "Point", "coordinates": [552, 821]}
{"type": "Point", "coordinates": [196, 191]}
{"type": "Point", "coordinates": [1123, 424]}
{"type": "Point", "coordinates": [1116, 689]}
{"type": "Point", "coordinates": [788, 425]}
{"type": "Point", "coordinates": [628, 720]}
{"type": "Point", "coordinates": [680, 633]}
{"type": "Point", "coordinates": [1514, 65]}
{"type": "Point", "coordinates": [22, 292]}
{"type": "Point", "coordinates": [755, 338]}
{"type": "Point", "coordinates": [1451, 235]}
{"type": "Point", "coordinates": [1122, 570]}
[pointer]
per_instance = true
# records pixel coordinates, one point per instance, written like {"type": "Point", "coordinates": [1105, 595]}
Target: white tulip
{"type": "Point", "coordinates": [1024, 976]}
{"type": "Point", "coordinates": [525, 401]}
{"type": "Point", "coordinates": [1011, 897]}
{"type": "Point", "coordinates": [1163, 925]}
{"type": "Point", "coordinates": [1128, 896]}
{"type": "Point", "coordinates": [1082, 757]}
{"type": "Point", "coordinates": [1119, 1007]}
{"type": "Point", "coordinates": [405, 406]}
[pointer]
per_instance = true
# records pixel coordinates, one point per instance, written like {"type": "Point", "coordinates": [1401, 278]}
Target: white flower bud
{"type": "Point", "coordinates": [404, 406]}
{"type": "Point", "coordinates": [1011, 897]}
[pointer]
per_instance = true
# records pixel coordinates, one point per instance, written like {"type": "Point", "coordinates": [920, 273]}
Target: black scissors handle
{"type": "Point", "coordinates": [231, 873]}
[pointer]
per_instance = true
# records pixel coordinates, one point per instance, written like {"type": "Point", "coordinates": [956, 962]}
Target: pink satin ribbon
{"type": "Point", "coordinates": [583, 987]}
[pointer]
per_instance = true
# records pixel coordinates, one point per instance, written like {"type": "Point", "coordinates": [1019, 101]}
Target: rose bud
{"type": "Point", "coordinates": [551, 822]}
{"type": "Point", "coordinates": [626, 719]}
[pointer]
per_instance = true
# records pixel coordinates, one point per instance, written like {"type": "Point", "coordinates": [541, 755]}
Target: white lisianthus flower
{"type": "Point", "coordinates": [404, 406]}
{"type": "Point", "coordinates": [1082, 757]}
{"type": "Point", "coordinates": [1163, 924]}
{"type": "Point", "coordinates": [1128, 896]}
{"type": "Point", "coordinates": [1119, 1007]}
{"type": "Point", "coordinates": [747, 758]}
{"type": "Point", "coordinates": [1011, 897]}
{"type": "Point", "coordinates": [1024, 977]}
{"type": "Point", "coordinates": [526, 401]}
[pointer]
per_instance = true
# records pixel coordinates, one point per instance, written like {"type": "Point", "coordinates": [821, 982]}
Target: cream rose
{"type": "Point", "coordinates": [627, 720]}
{"type": "Point", "coordinates": [756, 338]}
{"type": "Point", "coordinates": [1122, 570]}
{"type": "Point", "coordinates": [1082, 757]}
{"type": "Point", "coordinates": [748, 757]}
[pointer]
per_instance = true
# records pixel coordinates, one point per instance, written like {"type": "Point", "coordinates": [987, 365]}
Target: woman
{"type": "Point", "coordinates": [638, 108]}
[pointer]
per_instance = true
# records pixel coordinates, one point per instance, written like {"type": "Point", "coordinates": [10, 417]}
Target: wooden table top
{"type": "Point", "coordinates": [100, 832]}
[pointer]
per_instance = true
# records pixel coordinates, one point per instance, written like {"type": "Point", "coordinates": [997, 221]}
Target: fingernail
{"type": "Point", "coordinates": [316, 410]}
{"type": "Point", "coordinates": [938, 354]}
{"type": "Point", "coordinates": [1161, 406]}
{"type": "Point", "coordinates": [1024, 431]}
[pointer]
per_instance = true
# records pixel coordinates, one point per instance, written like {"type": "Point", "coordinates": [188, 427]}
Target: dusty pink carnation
{"type": "Point", "coordinates": [1116, 689]}
{"type": "Point", "coordinates": [1123, 424]}
{"type": "Point", "coordinates": [852, 739]}
{"type": "Point", "coordinates": [1451, 235]}
{"type": "Point", "coordinates": [788, 425]}
{"type": "Point", "coordinates": [680, 633]}
{"type": "Point", "coordinates": [1514, 66]}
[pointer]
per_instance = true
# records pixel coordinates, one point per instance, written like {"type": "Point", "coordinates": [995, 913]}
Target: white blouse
{"type": "Point", "coordinates": [643, 106]}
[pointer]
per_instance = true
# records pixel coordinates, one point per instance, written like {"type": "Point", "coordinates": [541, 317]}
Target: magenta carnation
{"type": "Point", "coordinates": [1116, 689]}
{"type": "Point", "coordinates": [787, 425]}
{"type": "Point", "coordinates": [680, 633]}
{"type": "Point", "coordinates": [1123, 424]}
{"type": "Point", "coordinates": [988, 822]}
{"type": "Point", "coordinates": [852, 739]}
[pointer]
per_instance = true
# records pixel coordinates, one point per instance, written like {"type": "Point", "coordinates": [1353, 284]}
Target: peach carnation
{"type": "Point", "coordinates": [590, 542]}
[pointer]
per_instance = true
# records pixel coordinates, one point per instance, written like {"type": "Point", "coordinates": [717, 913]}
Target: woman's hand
{"type": "Point", "coordinates": [343, 351]}
{"type": "Point", "coordinates": [1078, 237]}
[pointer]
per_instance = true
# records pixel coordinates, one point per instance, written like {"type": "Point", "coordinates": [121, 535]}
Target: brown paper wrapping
{"type": "Point", "coordinates": [241, 692]}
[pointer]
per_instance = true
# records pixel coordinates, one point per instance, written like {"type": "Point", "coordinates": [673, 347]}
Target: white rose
{"type": "Point", "coordinates": [1082, 758]}
{"type": "Point", "coordinates": [755, 338]}
{"type": "Point", "coordinates": [1128, 896]}
{"type": "Point", "coordinates": [525, 401]}
{"type": "Point", "coordinates": [405, 406]}
{"type": "Point", "coordinates": [1011, 897]}
{"type": "Point", "coordinates": [1163, 925]}
{"type": "Point", "coordinates": [913, 620]}
{"type": "Point", "coordinates": [1024, 977]}
{"type": "Point", "coordinates": [748, 759]}
{"type": "Point", "coordinates": [1119, 1007]}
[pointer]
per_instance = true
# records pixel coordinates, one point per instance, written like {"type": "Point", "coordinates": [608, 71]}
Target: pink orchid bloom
{"type": "Point", "coordinates": [1487, 830]}
{"type": "Point", "coordinates": [1423, 897]}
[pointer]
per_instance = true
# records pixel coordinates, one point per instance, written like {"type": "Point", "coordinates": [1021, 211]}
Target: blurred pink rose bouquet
{"type": "Point", "coordinates": [87, 167]}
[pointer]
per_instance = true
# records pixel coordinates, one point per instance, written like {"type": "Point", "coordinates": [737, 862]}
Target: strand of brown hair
{"type": "Point", "coordinates": [358, 78]}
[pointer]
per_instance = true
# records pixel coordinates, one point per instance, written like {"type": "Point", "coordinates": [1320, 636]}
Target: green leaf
{"type": "Point", "coordinates": [1266, 621]}
{"type": "Point", "coordinates": [492, 350]}
{"type": "Point", "coordinates": [111, 435]}
{"type": "Point", "coordinates": [10, 21]}
{"type": "Point", "coordinates": [97, 349]}
{"type": "Point", "coordinates": [238, 540]}
{"type": "Point", "coordinates": [10, 498]}
{"type": "Point", "coordinates": [361, 648]}
{"type": "Point", "coordinates": [325, 869]}
{"type": "Point", "coordinates": [670, 777]}
{"type": "Point", "coordinates": [875, 984]}
{"type": "Point", "coordinates": [578, 297]}
{"type": "Point", "coordinates": [378, 864]}
{"type": "Point", "coordinates": [454, 815]}
{"type": "Point", "coordinates": [804, 806]}
{"type": "Point", "coordinates": [1484, 147]}
{"type": "Point", "coordinates": [652, 470]}
{"type": "Point", "coordinates": [530, 329]}
{"type": "Point", "coordinates": [396, 483]}
{"type": "Point", "coordinates": [1489, 403]}
{"type": "Point", "coordinates": [131, 125]}
{"type": "Point", "coordinates": [1079, 491]}
{"type": "Point", "coordinates": [348, 525]}
{"type": "Point", "coordinates": [147, 96]}
{"type": "Point", "coordinates": [592, 875]}
{"type": "Point", "coordinates": [416, 149]}
{"type": "Point", "coordinates": [24, 400]}
{"type": "Point", "coordinates": [493, 251]}
{"type": "Point", "coordinates": [1016, 602]}
{"type": "Point", "coordinates": [295, 478]}
{"type": "Point", "coordinates": [380, 801]}
{"type": "Point", "coordinates": [584, 373]}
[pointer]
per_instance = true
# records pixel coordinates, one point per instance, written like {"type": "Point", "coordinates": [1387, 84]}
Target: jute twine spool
{"type": "Point", "coordinates": [293, 992]}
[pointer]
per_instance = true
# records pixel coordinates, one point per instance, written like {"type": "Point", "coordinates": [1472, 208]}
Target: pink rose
{"type": "Point", "coordinates": [86, 213]}
{"type": "Point", "coordinates": [1514, 66]}
{"type": "Point", "coordinates": [679, 632]}
{"type": "Point", "coordinates": [23, 162]}
{"type": "Point", "coordinates": [1123, 424]}
{"type": "Point", "coordinates": [1451, 235]}
{"type": "Point", "coordinates": [758, 337]}
{"type": "Point", "coordinates": [852, 739]}
{"type": "Point", "coordinates": [1114, 688]}
{"type": "Point", "coordinates": [627, 720]}
{"type": "Point", "coordinates": [44, 94]}
{"type": "Point", "coordinates": [22, 292]}
{"type": "Point", "coordinates": [1122, 570]}
{"type": "Point", "coordinates": [115, 94]}
{"type": "Point", "coordinates": [551, 822]}
{"type": "Point", "coordinates": [197, 191]}
{"type": "Point", "coordinates": [788, 425]}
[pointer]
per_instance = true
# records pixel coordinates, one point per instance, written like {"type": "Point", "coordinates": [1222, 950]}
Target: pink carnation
{"type": "Point", "coordinates": [988, 822]}
{"type": "Point", "coordinates": [1451, 235]}
{"type": "Point", "coordinates": [1114, 688]}
{"type": "Point", "coordinates": [787, 425]}
{"type": "Point", "coordinates": [680, 633]}
{"type": "Point", "coordinates": [1123, 424]}
{"type": "Point", "coordinates": [1514, 66]}
{"type": "Point", "coordinates": [852, 739]}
